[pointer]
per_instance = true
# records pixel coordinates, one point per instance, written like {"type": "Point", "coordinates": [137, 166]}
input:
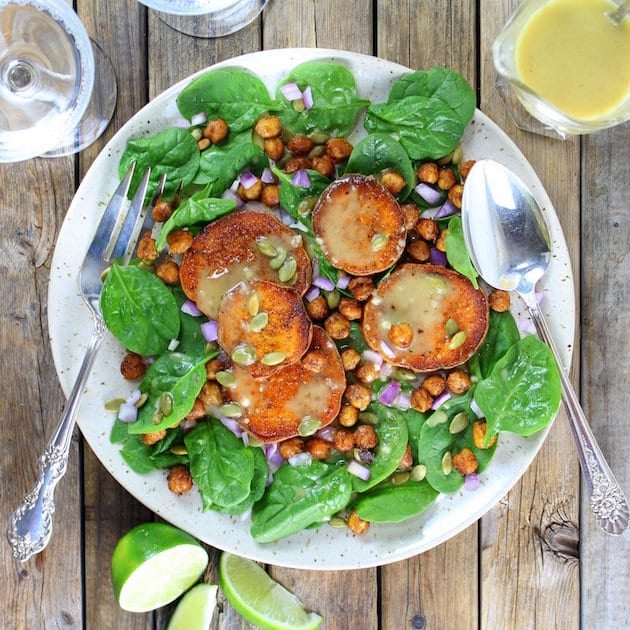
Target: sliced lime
{"type": "Point", "coordinates": [260, 599]}
{"type": "Point", "coordinates": [195, 609]}
{"type": "Point", "coordinates": [153, 564]}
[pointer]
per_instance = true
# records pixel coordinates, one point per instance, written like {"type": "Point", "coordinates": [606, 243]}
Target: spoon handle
{"type": "Point", "coordinates": [607, 500]}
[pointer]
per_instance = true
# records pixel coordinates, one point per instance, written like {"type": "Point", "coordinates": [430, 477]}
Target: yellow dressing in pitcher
{"type": "Point", "coordinates": [575, 58]}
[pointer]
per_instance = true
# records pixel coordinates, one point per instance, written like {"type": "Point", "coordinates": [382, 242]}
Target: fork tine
{"type": "Point", "coordinates": [128, 230]}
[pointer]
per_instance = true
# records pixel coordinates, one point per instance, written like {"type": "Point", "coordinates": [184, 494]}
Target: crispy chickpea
{"type": "Point", "coordinates": [270, 195]}
{"type": "Point", "coordinates": [162, 210]}
{"type": "Point", "coordinates": [292, 446]}
{"type": "Point", "coordinates": [314, 361]}
{"type": "Point", "coordinates": [318, 448]}
{"type": "Point", "coordinates": [458, 382]}
{"type": "Point", "coordinates": [356, 524]}
{"type": "Point", "coordinates": [251, 193]}
{"type": "Point", "coordinates": [428, 229]}
{"type": "Point", "coordinates": [419, 250]}
{"type": "Point", "coordinates": [168, 272]}
{"type": "Point", "coordinates": [324, 165]}
{"type": "Point", "coordinates": [212, 367]}
{"type": "Point", "coordinates": [411, 213]}
{"type": "Point", "coordinates": [300, 145]}
{"type": "Point", "coordinates": [274, 148]}
{"type": "Point", "coordinates": [153, 438]}
{"type": "Point", "coordinates": [203, 144]}
{"type": "Point", "coordinates": [318, 308]}
{"type": "Point", "coordinates": [367, 372]}
{"type": "Point", "coordinates": [479, 430]}
{"type": "Point", "coordinates": [216, 130]}
{"type": "Point", "coordinates": [446, 178]}
{"type": "Point", "coordinates": [337, 326]}
{"type": "Point", "coordinates": [179, 479]}
{"type": "Point", "coordinates": [350, 308]}
{"type": "Point", "coordinates": [338, 149]}
{"type": "Point", "coordinates": [343, 440]}
{"type": "Point", "coordinates": [499, 301]}
{"type": "Point", "coordinates": [358, 396]}
{"type": "Point", "coordinates": [210, 393]}
{"type": "Point", "coordinates": [365, 436]}
{"type": "Point", "coordinates": [348, 416]}
{"type": "Point", "coordinates": [361, 288]}
{"type": "Point", "coordinates": [428, 173]}
{"type": "Point", "coordinates": [132, 366]}
{"type": "Point", "coordinates": [421, 400]}
{"type": "Point", "coordinates": [146, 247]}
{"type": "Point", "coordinates": [401, 334]}
{"type": "Point", "coordinates": [464, 168]}
{"type": "Point", "coordinates": [394, 182]}
{"type": "Point", "coordinates": [268, 127]}
{"type": "Point", "coordinates": [465, 462]}
{"type": "Point", "coordinates": [197, 412]}
{"type": "Point", "coordinates": [455, 193]}
{"type": "Point", "coordinates": [297, 163]}
{"type": "Point", "coordinates": [350, 359]}
{"type": "Point", "coordinates": [435, 384]}
{"type": "Point", "coordinates": [179, 241]}
{"type": "Point", "coordinates": [407, 459]}
{"type": "Point", "coordinates": [440, 243]}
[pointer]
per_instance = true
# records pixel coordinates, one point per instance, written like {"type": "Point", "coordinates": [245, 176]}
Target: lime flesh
{"type": "Point", "coordinates": [153, 564]}
{"type": "Point", "coordinates": [260, 599]}
{"type": "Point", "coordinates": [195, 610]}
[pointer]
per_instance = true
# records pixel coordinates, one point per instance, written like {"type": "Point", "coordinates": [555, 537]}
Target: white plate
{"type": "Point", "coordinates": [326, 547]}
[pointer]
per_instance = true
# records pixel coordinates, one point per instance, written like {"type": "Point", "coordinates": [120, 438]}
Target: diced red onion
{"type": "Point", "coordinates": [248, 179]}
{"type": "Point", "coordinates": [209, 330]}
{"type": "Point", "coordinates": [437, 257]}
{"type": "Point", "coordinates": [476, 409]}
{"type": "Point", "coordinates": [441, 399]}
{"type": "Point", "coordinates": [134, 397]}
{"type": "Point", "coordinates": [232, 425]}
{"type": "Point", "coordinates": [172, 346]}
{"type": "Point", "coordinates": [190, 308]}
{"type": "Point", "coordinates": [403, 401]}
{"type": "Point", "coordinates": [198, 119]}
{"type": "Point", "coordinates": [327, 434]}
{"type": "Point", "coordinates": [307, 97]}
{"type": "Point", "coordinates": [371, 356]}
{"type": "Point", "coordinates": [128, 413]}
{"type": "Point", "coordinates": [358, 470]}
{"type": "Point", "coordinates": [188, 425]}
{"type": "Point", "coordinates": [324, 283]}
{"type": "Point", "coordinates": [230, 194]}
{"type": "Point", "coordinates": [526, 326]}
{"type": "Point", "coordinates": [343, 281]}
{"type": "Point", "coordinates": [301, 459]}
{"type": "Point", "coordinates": [274, 459]}
{"type": "Point", "coordinates": [301, 178]}
{"type": "Point", "coordinates": [267, 176]}
{"type": "Point", "coordinates": [447, 209]}
{"type": "Point", "coordinates": [291, 91]}
{"type": "Point", "coordinates": [385, 371]}
{"type": "Point", "coordinates": [471, 482]}
{"type": "Point", "coordinates": [312, 294]}
{"type": "Point", "coordinates": [428, 193]}
{"type": "Point", "coordinates": [388, 393]}
{"type": "Point", "coordinates": [315, 267]}
{"type": "Point", "coordinates": [387, 351]}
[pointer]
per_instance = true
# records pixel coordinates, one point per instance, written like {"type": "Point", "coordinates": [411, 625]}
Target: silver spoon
{"type": "Point", "coordinates": [509, 244]}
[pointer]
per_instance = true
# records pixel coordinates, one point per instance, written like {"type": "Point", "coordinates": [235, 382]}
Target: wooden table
{"type": "Point", "coordinates": [534, 561]}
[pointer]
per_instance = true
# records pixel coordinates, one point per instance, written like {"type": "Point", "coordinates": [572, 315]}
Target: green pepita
{"type": "Point", "coordinates": [418, 472]}
{"type": "Point", "coordinates": [243, 354]}
{"type": "Point", "coordinates": [253, 304]}
{"type": "Point", "coordinates": [459, 422]}
{"type": "Point", "coordinates": [158, 416]}
{"type": "Point", "coordinates": [305, 207]}
{"type": "Point", "coordinates": [378, 242]}
{"type": "Point", "coordinates": [113, 406]}
{"type": "Point", "coordinates": [438, 284]}
{"type": "Point", "coordinates": [179, 449]}
{"type": "Point", "coordinates": [273, 358]}
{"type": "Point", "coordinates": [337, 522]}
{"type": "Point", "coordinates": [143, 398]}
{"type": "Point", "coordinates": [166, 403]}
{"type": "Point", "coordinates": [308, 426]}
{"type": "Point", "coordinates": [451, 327]}
{"type": "Point", "coordinates": [400, 477]}
{"type": "Point", "coordinates": [278, 260]}
{"type": "Point", "coordinates": [333, 298]}
{"type": "Point", "coordinates": [437, 417]}
{"type": "Point", "coordinates": [367, 417]}
{"type": "Point", "coordinates": [259, 321]}
{"type": "Point", "coordinates": [447, 463]}
{"type": "Point", "coordinates": [458, 340]}
{"type": "Point", "coordinates": [298, 105]}
{"type": "Point", "coordinates": [225, 378]}
{"type": "Point", "coordinates": [287, 269]}
{"type": "Point", "coordinates": [231, 410]}
{"type": "Point", "coordinates": [266, 247]}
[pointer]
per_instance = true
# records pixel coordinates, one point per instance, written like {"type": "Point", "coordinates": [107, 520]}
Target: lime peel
{"type": "Point", "coordinates": [196, 608]}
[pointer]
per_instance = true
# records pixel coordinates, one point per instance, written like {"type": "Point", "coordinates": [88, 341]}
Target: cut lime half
{"type": "Point", "coordinates": [195, 609]}
{"type": "Point", "coordinates": [153, 564]}
{"type": "Point", "coordinates": [260, 599]}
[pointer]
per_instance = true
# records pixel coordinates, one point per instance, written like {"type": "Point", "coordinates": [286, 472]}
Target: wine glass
{"type": "Point", "coordinates": [57, 88]}
{"type": "Point", "coordinates": [207, 18]}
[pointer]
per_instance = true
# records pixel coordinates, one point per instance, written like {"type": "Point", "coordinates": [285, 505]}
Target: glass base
{"type": "Point", "coordinates": [100, 109]}
{"type": "Point", "coordinates": [217, 23]}
{"type": "Point", "coordinates": [520, 116]}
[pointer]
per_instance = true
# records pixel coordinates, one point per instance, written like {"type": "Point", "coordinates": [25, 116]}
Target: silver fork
{"type": "Point", "coordinates": [30, 526]}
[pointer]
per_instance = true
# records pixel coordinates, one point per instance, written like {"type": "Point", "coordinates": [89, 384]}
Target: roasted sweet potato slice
{"type": "Point", "coordinates": [244, 245]}
{"type": "Point", "coordinates": [360, 226]}
{"type": "Point", "coordinates": [425, 317]}
{"type": "Point", "coordinates": [296, 399]}
{"type": "Point", "coordinates": [263, 326]}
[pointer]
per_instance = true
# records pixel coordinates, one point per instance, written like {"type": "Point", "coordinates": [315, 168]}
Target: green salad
{"type": "Point", "coordinates": [308, 339]}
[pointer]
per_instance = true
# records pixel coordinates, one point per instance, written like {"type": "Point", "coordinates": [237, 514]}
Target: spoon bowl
{"type": "Point", "coordinates": [509, 244]}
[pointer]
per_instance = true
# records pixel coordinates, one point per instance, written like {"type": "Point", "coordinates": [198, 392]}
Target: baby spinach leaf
{"type": "Point", "coordinates": [295, 199]}
{"type": "Point", "coordinates": [388, 503]}
{"type": "Point", "coordinates": [235, 94]}
{"type": "Point", "coordinates": [441, 83]}
{"type": "Point", "coordinates": [299, 497]}
{"type": "Point", "coordinates": [522, 393]}
{"type": "Point", "coordinates": [378, 152]}
{"type": "Point", "coordinates": [426, 127]}
{"type": "Point", "coordinates": [172, 151]}
{"type": "Point", "coordinates": [221, 465]}
{"type": "Point", "coordinates": [335, 100]}
{"type": "Point", "coordinates": [139, 309]}
{"type": "Point", "coordinates": [502, 334]}
{"type": "Point", "coordinates": [457, 252]}
{"type": "Point", "coordinates": [177, 376]}
{"type": "Point", "coordinates": [414, 420]}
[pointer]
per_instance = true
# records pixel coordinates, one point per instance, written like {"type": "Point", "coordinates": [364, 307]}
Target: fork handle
{"type": "Point", "coordinates": [30, 526]}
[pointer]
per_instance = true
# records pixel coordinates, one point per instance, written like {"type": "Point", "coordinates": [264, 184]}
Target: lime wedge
{"type": "Point", "coordinates": [153, 564]}
{"type": "Point", "coordinates": [260, 599]}
{"type": "Point", "coordinates": [195, 609]}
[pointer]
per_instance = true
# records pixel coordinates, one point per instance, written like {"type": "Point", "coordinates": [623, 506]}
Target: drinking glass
{"type": "Point", "coordinates": [57, 88]}
{"type": "Point", "coordinates": [207, 18]}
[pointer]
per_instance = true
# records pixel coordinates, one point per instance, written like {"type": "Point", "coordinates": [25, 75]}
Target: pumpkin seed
{"type": "Point", "coordinates": [451, 327]}
{"type": "Point", "coordinates": [277, 261]}
{"type": "Point", "coordinates": [378, 242]}
{"type": "Point", "coordinates": [157, 417]}
{"type": "Point", "coordinates": [367, 417]}
{"type": "Point", "coordinates": [458, 155]}
{"type": "Point", "coordinates": [437, 417]}
{"type": "Point", "coordinates": [113, 406]}
{"type": "Point", "coordinates": [266, 247]}
{"type": "Point", "coordinates": [243, 354]}
{"type": "Point", "coordinates": [143, 398]}
{"type": "Point", "coordinates": [249, 273]}
{"type": "Point", "coordinates": [404, 374]}
{"type": "Point", "coordinates": [305, 207]}
{"type": "Point", "coordinates": [459, 422]}
{"type": "Point", "coordinates": [418, 472]}
{"type": "Point", "coordinates": [337, 522]}
{"type": "Point", "coordinates": [253, 304]}
{"type": "Point", "coordinates": [438, 284]}
{"type": "Point", "coordinates": [165, 403]}
{"type": "Point", "coordinates": [287, 269]}
{"type": "Point", "coordinates": [231, 410]}
{"type": "Point", "coordinates": [333, 298]}
{"type": "Point", "coordinates": [319, 137]}
{"type": "Point", "coordinates": [225, 378]}
{"type": "Point", "coordinates": [447, 463]}
{"type": "Point", "coordinates": [457, 340]}
{"type": "Point", "coordinates": [196, 133]}
{"type": "Point", "coordinates": [298, 105]}
{"type": "Point", "coordinates": [274, 358]}
{"type": "Point", "coordinates": [308, 426]}
{"type": "Point", "coordinates": [259, 321]}
{"type": "Point", "coordinates": [179, 449]}
{"type": "Point", "coordinates": [400, 477]}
